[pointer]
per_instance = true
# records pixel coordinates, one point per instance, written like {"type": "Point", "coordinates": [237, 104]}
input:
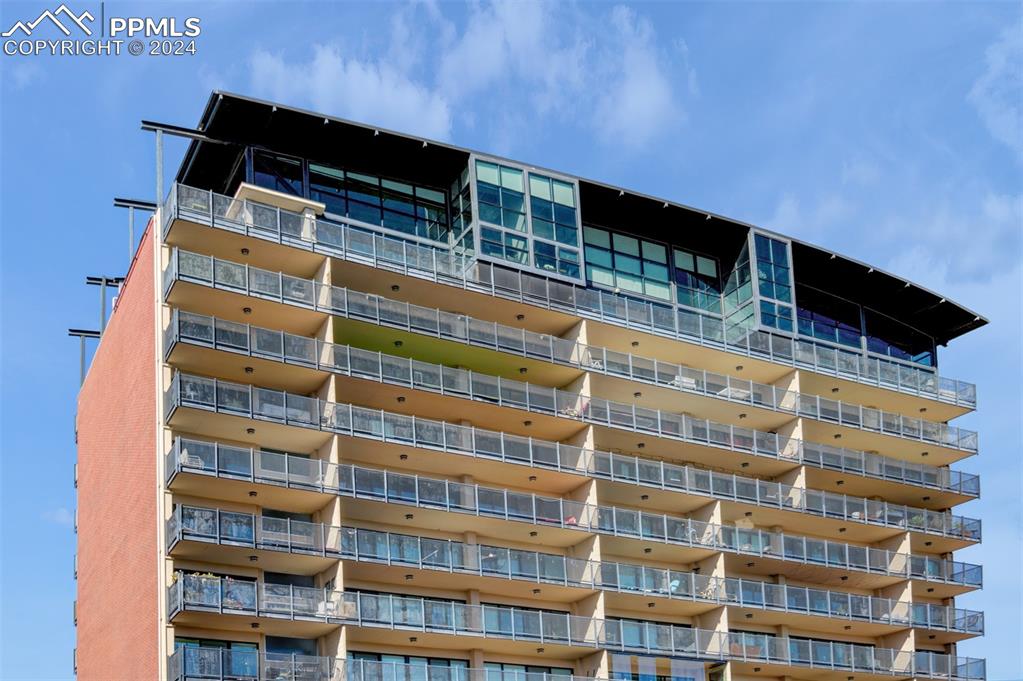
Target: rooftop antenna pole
{"type": "Point", "coordinates": [82, 334]}
{"type": "Point", "coordinates": [132, 205]}
{"type": "Point", "coordinates": [103, 282]}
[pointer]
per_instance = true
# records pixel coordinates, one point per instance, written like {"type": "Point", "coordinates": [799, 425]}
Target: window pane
{"type": "Point", "coordinates": [540, 187]}
{"type": "Point", "coordinates": [511, 179]}
{"type": "Point", "coordinates": [430, 195]}
{"type": "Point", "coordinates": [655, 252]}
{"type": "Point", "coordinates": [568, 235]}
{"type": "Point", "coordinates": [629, 282]}
{"type": "Point", "coordinates": [542, 208]}
{"type": "Point", "coordinates": [706, 266]}
{"type": "Point", "coordinates": [597, 237]}
{"type": "Point", "coordinates": [624, 263]}
{"type": "Point", "coordinates": [564, 193]}
{"type": "Point", "coordinates": [513, 220]}
{"type": "Point", "coordinates": [598, 256]}
{"type": "Point", "coordinates": [543, 228]}
{"type": "Point", "coordinates": [657, 289]}
{"type": "Point", "coordinates": [626, 244]}
{"type": "Point", "coordinates": [600, 275]}
{"type": "Point", "coordinates": [487, 172]}
{"type": "Point", "coordinates": [655, 271]}
{"type": "Point", "coordinates": [684, 261]}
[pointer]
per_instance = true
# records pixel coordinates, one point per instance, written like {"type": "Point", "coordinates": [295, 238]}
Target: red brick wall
{"type": "Point", "coordinates": [117, 583]}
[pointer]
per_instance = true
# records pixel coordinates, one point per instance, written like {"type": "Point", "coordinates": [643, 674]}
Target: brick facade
{"type": "Point", "coordinates": [116, 423]}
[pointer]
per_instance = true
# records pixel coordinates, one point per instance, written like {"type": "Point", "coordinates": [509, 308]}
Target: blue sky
{"type": "Point", "coordinates": [889, 132]}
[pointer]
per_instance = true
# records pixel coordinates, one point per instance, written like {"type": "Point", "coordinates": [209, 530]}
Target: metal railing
{"type": "Point", "coordinates": [364, 245]}
{"type": "Point", "coordinates": [462, 329]}
{"type": "Point", "coordinates": [470, 441]}
{"type": "Point", "coordinates": [350, 361]}
{"type": "Point", "coordinates": [189, 663]}
{"type": "Point", "coordinates": [410, 613]}
{"type": "Point", "coordinates": [252, 402]}
{"type": "Point", "coordinates": [560, 403]}
{"type": "Point", "coordinates": [190, 523]}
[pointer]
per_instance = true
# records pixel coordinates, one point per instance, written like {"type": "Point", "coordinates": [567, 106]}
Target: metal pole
{"type": "Point", "coordinates": [81, 360]}
{"type": "Point", "coordinates": [159, 167]}
{"type": "Point", "coordinates": [102, 304]}
{"type": "Point", "coordinates": [131, 234]}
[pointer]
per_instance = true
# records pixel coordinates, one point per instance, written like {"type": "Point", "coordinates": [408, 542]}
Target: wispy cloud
{"type": "Point", "coordinates": [59, 516]}
{"type": "Point", "coordinates": [364, 90]}
{"type": "Point", "coordinates": [507, 66]}
{"type": "Point", "coordinates": [998, 92]}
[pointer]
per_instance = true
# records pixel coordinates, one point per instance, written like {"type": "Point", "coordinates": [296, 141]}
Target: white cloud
{"type": "Point", "coordinates": [369, 91]}
{"type": "Point", "coordinates": [59, 516]}
{"type": "Point", "coordinates": [998, 93]}
{"type": "Point", "coordinates": [637, 101]}
{"type": "Point", "coordinates": [508, 67]}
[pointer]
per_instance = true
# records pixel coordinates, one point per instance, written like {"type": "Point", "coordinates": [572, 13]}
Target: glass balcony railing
{"type": "Point", "coordinates": [426, 553]}
{"type": "Point", "coordinates": [410, 613]}
{"type": "Point", "coordinates": [242, 400]}
{"type": "Point", "coordinates": [421, 375]}
{"type": "Point", "coordinates": [189, 663]}
{"type": "Point", "coordinates": [244, 529]}
{"type": "Point", "coordinates": [431, 321]}
{"type": "Point", "coordinates": [477, 442]}
{"type": "Point", "coordinates": [250, 464]}
{"type": "Point", "coordinates": [366, 246]}
{"type": "Point", "coordinates": [346, 360]}
{"type": "Point", "coordinates": [222, 664]}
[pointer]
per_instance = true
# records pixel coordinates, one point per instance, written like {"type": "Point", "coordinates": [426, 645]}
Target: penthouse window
{"type": "Point", "coordinates": [623, 262]}
{"type": "Point", "coordinates": [392, 204]}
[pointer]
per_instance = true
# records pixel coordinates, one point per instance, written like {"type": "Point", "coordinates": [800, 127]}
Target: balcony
{"type": "Point", "coordinates": [375, 424]}
{"type": "Point", "coordinates": [458, 559]}
{"type": "Point", "coordinates": [343, 360]}
{"type": "Point", "coordinates": [300, 350]}
{"type": "Point", "coordinates": [223, 664]}
{"type": "Point", "coordinates": [364, 246]}
{"type": "Point", "coordinates": [448, 496]}
{"type": "Point", "coordinates": [305, 293]}
{"type": "Point", "coordinates": [557, 630]}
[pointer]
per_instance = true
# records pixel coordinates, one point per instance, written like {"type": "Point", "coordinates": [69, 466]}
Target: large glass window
{"type": "Point", "coordinates": [623, 262]}
{"type": "Point", "coordinates": [552, 210]}
{"type": "Point", "coordinates": [887, 336]}
{"type": "Point", "coordinates": [276, 172]}
{"type": "Point", "coordinates": [502, 206]}
{"type": "Point", "coordinates": [393, 204]}
{"type": "Point", "coordinates": [826, 317]}
{"type": "Point", "coordinates": [774, 282]}
{"type": "Point", "coordinates": [697, 282]}
{"type": "Point", "coordinates": [400, 206]}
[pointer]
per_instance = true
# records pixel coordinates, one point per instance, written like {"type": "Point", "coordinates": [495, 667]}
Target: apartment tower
{"type": "Point", "coordinates": [377, 408]}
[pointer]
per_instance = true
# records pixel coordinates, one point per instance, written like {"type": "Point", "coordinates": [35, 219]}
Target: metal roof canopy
{"type": "Point", "coordinates": [230, 122]}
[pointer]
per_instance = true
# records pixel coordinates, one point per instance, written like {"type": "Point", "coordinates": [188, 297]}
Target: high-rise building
{"type": "Point", "coordinates": [378, 408]}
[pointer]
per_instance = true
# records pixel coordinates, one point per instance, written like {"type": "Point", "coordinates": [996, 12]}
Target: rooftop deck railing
{"type": "Point", "coordinates": [410, 613]}
{"type": "Point", "coordinates": [425, 553]}
{"type": "Point", "coordinates": [218, 273]}
{"type": "Point", "coordinates": [364, 245]}
{"type": "Point", "coordinates": [250, 402]}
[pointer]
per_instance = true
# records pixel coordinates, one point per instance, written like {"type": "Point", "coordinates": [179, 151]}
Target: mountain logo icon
{"type": "Point", "coordinates": [54, 17]}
